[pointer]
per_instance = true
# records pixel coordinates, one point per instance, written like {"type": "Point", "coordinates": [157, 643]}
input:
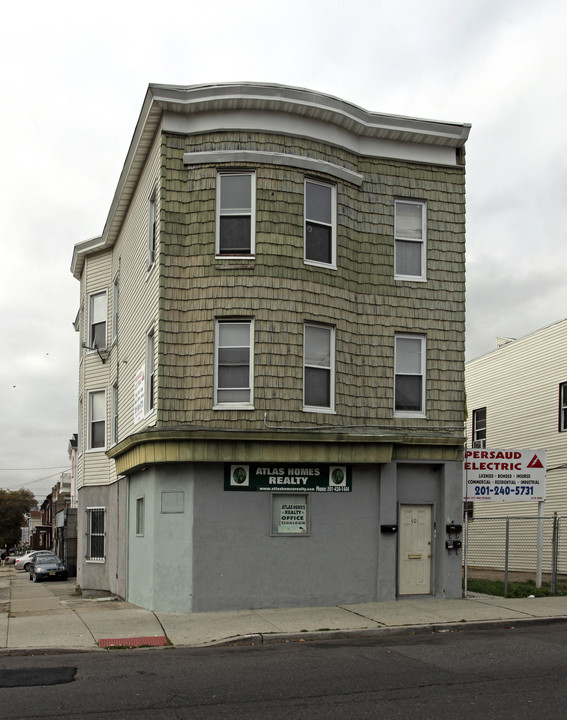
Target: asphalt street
{"type": "Point", "coordinates": [487, 674]}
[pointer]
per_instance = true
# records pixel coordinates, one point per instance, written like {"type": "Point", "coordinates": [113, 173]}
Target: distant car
{"type": "Point", "coordinates": [47, 567]}
{"type": "Point", "coordinates": [23, 563]}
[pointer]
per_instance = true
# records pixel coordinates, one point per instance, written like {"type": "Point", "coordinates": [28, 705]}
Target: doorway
{"type": "Point", "coordinates": [414, 560]}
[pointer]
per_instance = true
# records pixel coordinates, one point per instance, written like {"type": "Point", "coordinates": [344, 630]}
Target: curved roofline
{"type": "Point", "coordinates": [255, 97]}
{"type": "Point", "coordinates": [331, 109]}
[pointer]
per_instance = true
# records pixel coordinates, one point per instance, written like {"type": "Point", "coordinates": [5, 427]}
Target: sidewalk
{"type": "Point", "coordinates": [48, 616]}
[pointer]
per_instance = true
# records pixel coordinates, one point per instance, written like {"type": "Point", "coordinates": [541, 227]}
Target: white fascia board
{"type": "Point", "coordinates": [81, 250]}
{"type": "Point", "coordinates": [308, 103]}
{"type": "Point", "coordinates": [286, 124]}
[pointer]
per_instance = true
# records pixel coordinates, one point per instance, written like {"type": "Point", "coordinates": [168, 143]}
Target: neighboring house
{"type": "Point", "coordinates": [64, 515]}
{"type": "Point", "coordinates": [41, 533]}
{"type": "Point", "coordinates": [517, 399]}
{"type": "Point", "coordinates": [271, 397]}
{"type": "Point", "coordinates": [33, 521]}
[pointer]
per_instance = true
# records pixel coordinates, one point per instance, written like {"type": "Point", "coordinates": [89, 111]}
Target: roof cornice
{"type": "Point", "coordinates": [256, 98]}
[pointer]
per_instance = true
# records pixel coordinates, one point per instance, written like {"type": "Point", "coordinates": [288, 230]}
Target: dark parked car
{"type": "Point", "coordinates": [47, 567]}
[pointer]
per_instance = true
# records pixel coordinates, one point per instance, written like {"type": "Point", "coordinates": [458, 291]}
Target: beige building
{"type": "Point", "coordinates": [271, 397]}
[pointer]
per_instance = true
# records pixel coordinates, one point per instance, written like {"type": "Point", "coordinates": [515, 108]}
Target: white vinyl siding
{"type": "Point", "coordinates": [139, 289]}
{"type": "Point", "coordinates": [518, 384]}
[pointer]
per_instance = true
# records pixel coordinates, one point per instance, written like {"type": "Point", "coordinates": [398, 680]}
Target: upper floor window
{"type": "Point", "coordinates": [97, 321]}
{"type": "Point", "coordinates": [235, 221]}
{"type": "Point", "coordinates": [479, 428]}
{"type": "Point", "coordinates": [234, 370]}
{"type": "Point", "coordinates": [319, 368]}
{"type": "Point", "coordinates": [97, 420]}
{"type": "Point", "coordinates": [152, 232]}
{"type": "Point", "coordinates": [320, 226]}
{"type": "Point", "coordinates": [410, 237]}
{"type": "Point", "coordinates": [563, 407]}
{"type": "Point", "coordinates": [409, 382]}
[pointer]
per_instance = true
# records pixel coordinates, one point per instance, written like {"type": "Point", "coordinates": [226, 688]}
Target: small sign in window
{"type": "Point", "coordinates": [289, 514]}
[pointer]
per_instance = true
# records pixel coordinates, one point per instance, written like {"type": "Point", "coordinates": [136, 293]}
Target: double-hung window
{"type": "Point", "coordinates": [97, 420]}
{"type": "Point", "coordinates": [319, 368]}
{"type": "Point", "coordinates": [320, 225]}
{"type": "Point", "coordinates": [97, 321]}
{"type": "Point", "coordinates": [563, 407]}
{"type": "Point", "coordinates": [95, 535]}
{"type": "Point", "coordinates": [410, 238]}
{"type": "Point", "coordinates": [409, 382]}
{"type": "Point", "coordinates": [479, 428]}
{"type": "Point", "coordinates": [235, 221]}
{"type": "Point", "coordinates": [234, 363]}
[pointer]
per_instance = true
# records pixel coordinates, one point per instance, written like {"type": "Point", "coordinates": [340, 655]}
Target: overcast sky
{"type": "Point", "coordinates": [74, 76]}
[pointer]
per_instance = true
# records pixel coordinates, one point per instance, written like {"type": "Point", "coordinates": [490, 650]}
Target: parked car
{"type": "Point", "coordinates": [47, 567]}
{"type": "Point", "coordinates": [23, 563]}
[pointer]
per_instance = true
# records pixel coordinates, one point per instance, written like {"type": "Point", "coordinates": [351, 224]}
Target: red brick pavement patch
{"type": "Point", "coordinates": [133, 642]}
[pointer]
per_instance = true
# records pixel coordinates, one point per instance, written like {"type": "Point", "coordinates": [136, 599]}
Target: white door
{"type": "Point", "coordinates": [415, 550]}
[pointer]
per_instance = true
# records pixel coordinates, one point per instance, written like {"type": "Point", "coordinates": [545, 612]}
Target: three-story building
{"type": "Point", "coordinates": [271, 398]}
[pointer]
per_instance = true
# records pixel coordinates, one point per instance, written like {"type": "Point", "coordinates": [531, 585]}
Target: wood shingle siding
{"type": "Point", "coordinates": [360, 298]}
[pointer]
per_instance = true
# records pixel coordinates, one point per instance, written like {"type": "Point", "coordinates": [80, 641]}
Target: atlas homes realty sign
{"type": "Point", "coordinates": [504, 475]}
{"type": "Point", "coordinates": [288, 477]}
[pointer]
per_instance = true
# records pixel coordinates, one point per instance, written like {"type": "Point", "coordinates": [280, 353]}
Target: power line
{"type": "Point", "coordinates": [51, 467]}
{"type": "Point", "coordinates": [32, 482]}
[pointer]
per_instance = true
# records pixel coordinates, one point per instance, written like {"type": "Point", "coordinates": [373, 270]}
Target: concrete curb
{"type": "Point", "coordinates": [383, 632]}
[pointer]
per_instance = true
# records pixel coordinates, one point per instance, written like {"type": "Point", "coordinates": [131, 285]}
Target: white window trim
{"type": "Point", "coordinates": [316, 408]}
{"type": "Point", "coordinates": [478, 442]}
{"type": "Point", "coordinates": [252, 175]}
{"type": "Point", "coordinates": [423, 241]}
{"type": "Point", "coordinates": [91, 296]}
{"type": "Point", "coordinates": [90, 449]}
{"type": "Point", "coordinates": [333, 225]}
{"type": "Point", "coordinates": [409, 413]}
{"type": "Point", "coordinates": [89, 534]}
{"type": "Point", "coordinates": [235, 405]}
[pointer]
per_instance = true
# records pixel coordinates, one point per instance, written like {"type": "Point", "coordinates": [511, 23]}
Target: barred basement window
{"type": "Point", "coordinates": [95, 534]}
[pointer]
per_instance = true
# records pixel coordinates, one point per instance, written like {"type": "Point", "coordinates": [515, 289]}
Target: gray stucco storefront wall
{"type": "Point", "coordinates": [206, 549]}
